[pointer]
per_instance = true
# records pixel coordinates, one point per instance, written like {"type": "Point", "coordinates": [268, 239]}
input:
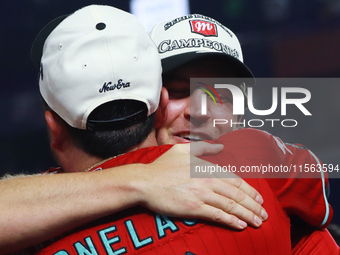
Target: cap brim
{"type": "Point", "coordinates": [38, 44]}
{"type": "Point", "coordinates": [242, 71]}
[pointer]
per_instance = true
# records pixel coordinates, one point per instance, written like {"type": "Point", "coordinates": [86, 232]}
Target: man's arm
{"type": "Point", "coordinates": [230, 201]}
{"type": "Point", "coordinates": [37, 208]}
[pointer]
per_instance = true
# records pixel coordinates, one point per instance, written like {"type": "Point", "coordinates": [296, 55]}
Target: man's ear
{"type": "Point", "coordinates": [160, 112]}
{"type": "Point", "coordinates": [57, 130]}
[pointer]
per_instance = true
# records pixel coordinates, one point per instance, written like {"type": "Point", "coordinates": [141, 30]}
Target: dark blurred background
{"type": "Point", "coordinates": [280, 38]}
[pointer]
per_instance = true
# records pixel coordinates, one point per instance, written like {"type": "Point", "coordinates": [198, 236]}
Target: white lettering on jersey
{"type": "Point", "coordinates": [281, 145]}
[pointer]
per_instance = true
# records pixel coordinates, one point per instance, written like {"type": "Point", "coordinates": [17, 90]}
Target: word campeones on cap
{"type": "Point", "coordinates": [193, 36]}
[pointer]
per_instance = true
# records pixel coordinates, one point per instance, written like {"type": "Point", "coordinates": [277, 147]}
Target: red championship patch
{"type": "Point", "coordinates": [203, 27]}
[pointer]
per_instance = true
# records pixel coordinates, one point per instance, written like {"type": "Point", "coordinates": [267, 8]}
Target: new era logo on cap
{"type": "Point", "coordinates": [203, 27]}
{"type": "Point", "coordinates": [95, 56]}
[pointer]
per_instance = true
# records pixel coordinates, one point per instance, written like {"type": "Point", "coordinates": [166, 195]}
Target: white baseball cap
{"type": "Point", "coordinates": [193, 36]}
{"type": "Point", "coordinates": [96, 55]}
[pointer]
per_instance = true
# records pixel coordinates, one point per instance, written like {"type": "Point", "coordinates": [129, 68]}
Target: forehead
{"type": "Point", "coordinates": [199, 68]}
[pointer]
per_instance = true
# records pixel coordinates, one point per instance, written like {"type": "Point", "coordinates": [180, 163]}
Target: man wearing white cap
{"type": "Point", "coordinates": [131, 235]}
{"type": "Point", "coordinates": [94, 109]}
{"type": "Point", "coordinates": [196, 46]}
{"type": "Point", "coordinates": [101, 103]}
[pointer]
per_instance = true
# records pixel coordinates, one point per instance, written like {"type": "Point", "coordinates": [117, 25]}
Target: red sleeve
{"type": "Point", "coordinates": [319, 242]}
{"type": "Point", "coordinates": [304, 197]}
{"type": "Point", "coordinates": [299, 193]}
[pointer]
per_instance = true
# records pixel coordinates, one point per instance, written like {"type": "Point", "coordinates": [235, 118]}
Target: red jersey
{"type": "Point", "coordinates": [318, 242]}
{"type": "Point", "coordinates": [140, 231]}
{"type": "Point", "coordinates": [297, 194]}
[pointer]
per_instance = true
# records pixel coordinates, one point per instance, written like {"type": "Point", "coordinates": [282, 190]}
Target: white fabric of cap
{"type": "Point", "coordinates": [84, 67]}
{"type": "Point", "coordinates": [195, 33]}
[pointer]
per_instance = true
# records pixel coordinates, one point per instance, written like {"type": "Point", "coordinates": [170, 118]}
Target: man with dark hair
{"type": "Point", "coordinates": [92, 61]}
{"type": "Point", "coordinates": [162, 224]}
{"type": "Point", "coordinates": [90, 93]}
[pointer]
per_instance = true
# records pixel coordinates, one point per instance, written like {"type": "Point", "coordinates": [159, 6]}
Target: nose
{"type": "Point", "coordinates": [193, 110]}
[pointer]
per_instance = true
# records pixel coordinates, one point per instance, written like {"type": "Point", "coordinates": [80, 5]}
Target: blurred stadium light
{"type": "Point", "coordinates": [150, 12]}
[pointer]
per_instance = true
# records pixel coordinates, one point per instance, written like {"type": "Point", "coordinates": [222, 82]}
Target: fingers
{"type": "Point", "coordinates": [233, 201]}
{"type": "Point", "coordinates": [211, 213]}
{"type": "Point", "coordinates": [246, 210]}
{"type": "Point", "coordinates": [238, 182]}
{"type": "Point", "coordinates": [240, 211]}
{"type": "Point", "coordinates": [199, 149]}
{"type": "Point", "coordinates": [247, 197]}
{"type": "Point", "coordinates": [245, 187]}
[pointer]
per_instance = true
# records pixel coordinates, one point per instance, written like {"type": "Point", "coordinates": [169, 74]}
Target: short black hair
{"type": "Point", "coordinates": [106, 144]}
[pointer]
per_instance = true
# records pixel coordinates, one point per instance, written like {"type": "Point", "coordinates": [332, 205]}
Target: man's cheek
{"type": "Point", "coordinates": [230, 122]}
{"type": "Point", "coordinates": [177, 106]}
{"type": "Point", "coordinates": [222, 112]}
